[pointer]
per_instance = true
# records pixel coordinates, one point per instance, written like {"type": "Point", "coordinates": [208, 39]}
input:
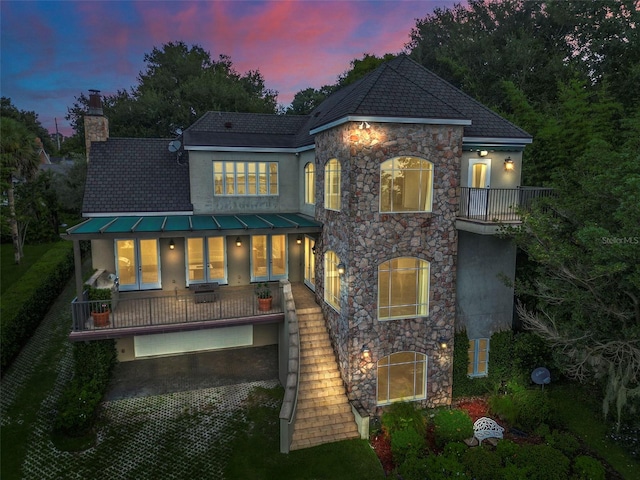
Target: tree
{"type": "Point", "coordinates": [19, 161]}
{"type": "Point", "coordinates": [586, 247]}
{"type": "Point", "coordinates": [178, 85]}
{"type": "Point", "coordinates": [29, 119]}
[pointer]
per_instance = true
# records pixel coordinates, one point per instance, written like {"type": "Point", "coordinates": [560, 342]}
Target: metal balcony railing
{"type": "Point", "coordinates": [143, 309]}
{"type": "Point", "coordinates": [498, 205]}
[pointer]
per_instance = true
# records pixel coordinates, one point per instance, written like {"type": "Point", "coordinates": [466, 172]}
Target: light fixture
{"type": "Point", "coordinates": [483, 153]}
{"type": "Point", "coordinates": [172, 244]}
{"type": "Point", "coordinates": [366, 353]}
{"type": "Point", "coordinates": [341, 268]}
{"type": "Point", "coordinates": [299, 240]}
{"type": "Point", "coordinates": [364, 125]}
{"type": "Point", "coordinates": [314, 249]}
{"type": "Point", "coordinates": [238, 242]}
{"type": "Point", "coordinates": [509, 166]}
{"type": "Point", "coordinates": [443, 344]}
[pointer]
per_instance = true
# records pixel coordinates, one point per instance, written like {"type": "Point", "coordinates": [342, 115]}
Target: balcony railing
{"type": "Point", "coordinates": [498, 205]}
{"type": "Point", "coordinates": [160, 309]}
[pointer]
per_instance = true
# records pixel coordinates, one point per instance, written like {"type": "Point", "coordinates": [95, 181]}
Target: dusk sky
{"type": "Point", "coordinates": [51, 51]}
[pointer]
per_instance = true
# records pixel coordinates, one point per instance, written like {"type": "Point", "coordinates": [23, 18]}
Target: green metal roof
{"type": "Point", "coordinates": [191, 223]}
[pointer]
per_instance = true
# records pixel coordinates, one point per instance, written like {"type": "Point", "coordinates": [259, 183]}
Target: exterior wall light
{"type": "Point", "coordinates": [172, 245]}
{"type": "Point", "coordinates": [364, 125]}
{"type": "Point", "coordinates": [509, 166]}
{"type": "Point", "coordinates": [341, 268]}
{"type": "Point", "coordinates": [443, 344]}
{"type": "Point", "coordinates": [366, 353]}
{"type": "Point", "coordinates": [238, 242]}
{"type": "Point", "coordinates": [483, 153]}
{"type": "Point", "coordinates": [299, 240]}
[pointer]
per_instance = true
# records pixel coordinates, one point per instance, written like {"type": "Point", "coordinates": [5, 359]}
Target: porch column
{"type": "Point", "coordinates": [77, 260]}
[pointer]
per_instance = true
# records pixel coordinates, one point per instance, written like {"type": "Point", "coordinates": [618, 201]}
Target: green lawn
{"type": "Point", "coordinates": [10, 273]}
{"type": "Point", "coordinates": [579, 408]}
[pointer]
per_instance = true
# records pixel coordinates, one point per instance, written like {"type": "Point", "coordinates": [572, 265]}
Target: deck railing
{"type": "Point", "coordinates": [498, 204]}
{"type": "Point", "coordinates": [140, 310]}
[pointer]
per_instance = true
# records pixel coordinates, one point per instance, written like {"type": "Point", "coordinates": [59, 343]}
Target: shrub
{"type": "Point", "coordinates": [543, 462]}
{"type": "Point", "coordinates": [444, 467]}
{"type": "Point", "coordinates": [504, 407]}
{"type": "Point", "coordinates": [587, 468]}
{"type": "Point", "coordinates": [24, 304]}
{"type": "Point", "coordinates": [414, 467]}
{"type": "Point", "coordinates": [533, 408]}
{"type": "Point", "coordinates": [452, 426]}
{"type": "Point", "coordinates": [482, 464]}
{"type": "Point", "coordinates": [529, 353]}
{"type": "Point", "coordinates": [565, 442]}
{"type": "Point", "coordinates": [507, 451]}
{"type": "Point", "coordinates": [402, 415]}
{"type": "Point", "coordinates": [455, 449]}
{"type": "Point", "coordinates": [405, 443]}
{"type": "Point", "coordinates": [93, 364]}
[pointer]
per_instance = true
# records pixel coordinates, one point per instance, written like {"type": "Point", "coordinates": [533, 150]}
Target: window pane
{"type": "Point", "coordinates": [403, 288]}
{"type": "Point", "coordinates": [216, 257]}
{"type": "Point", "coordinates": [401, 378]}
{"type": "Point", "coordinates": [262, 178]}
{"type": "Point", "coordinates": [278, 255]}
{"type": "Point", "coordinates": [149, 260]}
{"type": "Point", "coordinates": [383, 384]}
{"type": "Point", "coordinates": [195, 255]}
{"type": "Point", "coordinates": [259, 255]}
{"type": "Point", "coordinates": [241, 179]}
{"type": "Point", "coordinates": [229, 178]}
{"type": "Point", "coordinates": [251, 178]}
{"type": "Point", "coordinates": [471, 354]}
{"type": "Point", "coordinates": [218, 184]}
{"type": "Point", "coordinates": [273, 178]}
{"type": "Point", "coordinates": [332, 280]}
{"type": "Point", "coordinates": [310, 184]}
{"type": "Point", "coordinates": [405, 185]}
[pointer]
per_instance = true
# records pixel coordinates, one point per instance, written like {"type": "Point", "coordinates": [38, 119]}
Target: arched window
{"type": "Point", "coordinates": [331, 280]}
{"type": "Point", "coordinates": [310, 183]}
{"type": "Point", "coordinates": [402, 377]}
{"type": "Point", "coordinates": [403, 288]}
{"type": "Point", "coordinates": [332, 173]}
{"type": "Point", "coordinates": [406, 185]}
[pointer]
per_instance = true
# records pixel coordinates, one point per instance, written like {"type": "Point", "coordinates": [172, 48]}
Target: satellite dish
{"type": "Point", "coordinates": [178, 131]}
{"type": "Point", "coordinates": [541, 376]}
{"type": "Point", "coordinates": [174, 145]}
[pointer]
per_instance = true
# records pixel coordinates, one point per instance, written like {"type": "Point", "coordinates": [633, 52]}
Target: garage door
{"type": "Point", "coordinates": [193, 341]}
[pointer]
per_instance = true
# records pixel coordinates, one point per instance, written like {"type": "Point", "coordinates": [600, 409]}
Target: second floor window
{"type": "Point", "coordinates": [406, 185]}
{"type": "Point", "coordinates": [310, 183]}
{"type": "Point", "coordinates": [332, 173]}
{"type": "Point", "coordinates": [403, 288]}
{"type": "Point", "coordinates": [245, 178]}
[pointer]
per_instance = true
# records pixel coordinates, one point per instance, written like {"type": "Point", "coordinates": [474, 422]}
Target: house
{"type": "Point", "coordinates": [383, 205]}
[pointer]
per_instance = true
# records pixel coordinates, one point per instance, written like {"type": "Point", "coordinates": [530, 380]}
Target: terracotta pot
{"type": "Point", "coordinates": [100, 319]}
{"type": "Point", "coordinates": [264, 304]}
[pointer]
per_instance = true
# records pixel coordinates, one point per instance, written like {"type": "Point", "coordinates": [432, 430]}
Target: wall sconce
{"type": "Point", "coordinates": [314, 249]}
{"type": "Point", "coordinates": [366, 353]}
{"type": "Point", "coordinates": [172, 245]}
{"type": "Point", "coordinates": [483, 153]}
{"type": "Point", "coordinates": [509, 166]}
{"type": "Point", "coordinates": [443, 344]}
{"type": "Point", "coordinates": [299, 240]}
{"type": "Point", "coordinates": [364, 125]}
{"type": "Point", "coordinates": [341, 268]}
{"type": "Point", "coordinates": [238, 242]}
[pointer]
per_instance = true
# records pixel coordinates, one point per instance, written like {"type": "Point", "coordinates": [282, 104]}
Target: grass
{"type": "Point", "coordinates": [346, 460]}
{"type": "Point", "coordinates": [10, 273]}
{"type": "Point", "coordinates": [581, 412]}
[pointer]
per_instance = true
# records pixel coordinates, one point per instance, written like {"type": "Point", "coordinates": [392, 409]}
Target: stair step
{"type": "Point", "coordinates": [299, 444]}
{"type": "Point", "coordinates": [331, 382]}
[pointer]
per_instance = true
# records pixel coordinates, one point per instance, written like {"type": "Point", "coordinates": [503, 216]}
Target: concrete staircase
{"type": "Point", "coordinates": [323, 413]}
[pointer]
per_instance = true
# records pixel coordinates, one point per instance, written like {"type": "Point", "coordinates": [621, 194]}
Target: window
{"type": "Point", "coordinates": [310, 183]}
{"type": "Point", "coordinates": [402, 377]}
{"type": "Point", "coordinates": [245, 178]}
{"type": "Point", "coordinates": [403, 288]}
{"type": "Point", "coordinates": [213, 270]}
{"type": "Point", "coordinates": [332, 280]}
{"type": "Point", "coordinates": [332, 185]}
{"type": "Point", "coordinates": [406, 185]}
{"type": "Point", "coordinates": [478, 357]}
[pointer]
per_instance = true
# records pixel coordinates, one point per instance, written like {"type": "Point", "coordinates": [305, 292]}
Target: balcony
{"type": "Point", "coordinates": [483, 210]}
{"type": "Point", "coordinates": [147, 312]}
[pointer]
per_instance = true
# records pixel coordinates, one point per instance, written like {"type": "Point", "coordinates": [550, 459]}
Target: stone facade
{"type": "Point", "coordinates": [96, 129]}
{"type": "Point", "coordinates": [362, 237]}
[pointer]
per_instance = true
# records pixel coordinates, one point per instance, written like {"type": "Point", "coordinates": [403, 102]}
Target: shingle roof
{"type": "Point", "coordinates": [135, 175]}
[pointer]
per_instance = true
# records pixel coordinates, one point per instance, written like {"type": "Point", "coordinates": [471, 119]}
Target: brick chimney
{"type": "Point", "coordinates": [96, 125]}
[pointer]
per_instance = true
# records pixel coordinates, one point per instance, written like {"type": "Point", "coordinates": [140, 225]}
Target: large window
{"type": "Point", "coordinates": [245, 178]}
{"type": "Point", "coordinates": [332, 173]}
{"type": "Point", "coordinates": [478, 357]}
{"type": "Point", "coordinates": [402, 377]}
{"type": "Point", "coordinates": [206, 260]}
{"type": "Point", "coordinates": [310, 183]}
{"type": "Point", "coordinates": [332, 280]}
{"type": "Point", "coordinates": [406, 185]}
{"type": "Point", "coordinates": [403, 288]}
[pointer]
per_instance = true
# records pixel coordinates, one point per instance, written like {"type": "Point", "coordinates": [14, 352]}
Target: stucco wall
{"type": "Point", "coordinates": [500, 178]}
{"type": "Point", "coordinates": [201, 178]}
{"type": "Point", "coordinates": [305, 157]}
{"type": "Point", "coordinates": [484, 300]}
{"type": "Point", "coordinates": [363, 238]}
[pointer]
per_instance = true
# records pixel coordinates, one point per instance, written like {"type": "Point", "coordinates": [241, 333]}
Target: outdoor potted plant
{"type": "Point", "coordinates": [263, 292]}
{"type": "Point", "coordinates": [100, 299]}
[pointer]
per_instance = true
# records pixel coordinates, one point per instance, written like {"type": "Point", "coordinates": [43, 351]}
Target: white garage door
{"type": "Point", "coordinates": [193, 341]}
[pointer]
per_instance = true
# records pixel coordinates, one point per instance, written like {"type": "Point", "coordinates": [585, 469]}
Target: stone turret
{"type": "Point", "coordinates": [96, 125]}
